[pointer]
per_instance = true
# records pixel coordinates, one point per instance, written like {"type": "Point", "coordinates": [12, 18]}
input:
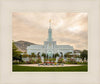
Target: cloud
{"type": "Point", "coordinates": [67, 28]}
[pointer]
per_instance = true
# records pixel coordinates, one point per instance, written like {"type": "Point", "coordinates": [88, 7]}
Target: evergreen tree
{"type": "Point", "coordinates": [15, 53]}
{"type": "Point", "coordinates": [84, 54]}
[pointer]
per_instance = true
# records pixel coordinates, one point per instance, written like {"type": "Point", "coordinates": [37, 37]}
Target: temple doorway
{"type": "Point", "coordinates": [50, 54]}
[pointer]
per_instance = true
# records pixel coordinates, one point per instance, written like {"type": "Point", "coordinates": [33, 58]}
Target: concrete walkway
{"type": "Point", "coordinates": [36, 65]}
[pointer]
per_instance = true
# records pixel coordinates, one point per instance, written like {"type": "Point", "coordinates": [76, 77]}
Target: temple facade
{"type": "Point", "coordinates": [49, 47]}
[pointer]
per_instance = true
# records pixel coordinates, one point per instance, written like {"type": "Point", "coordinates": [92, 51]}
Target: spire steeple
{"type": "Point", "coordinates": [50, 31]}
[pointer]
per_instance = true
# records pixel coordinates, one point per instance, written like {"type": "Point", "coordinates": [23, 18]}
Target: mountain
{"type": "Point", "coordinates": [22, 45]}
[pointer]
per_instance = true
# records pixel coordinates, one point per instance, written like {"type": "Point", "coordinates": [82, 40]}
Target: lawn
{"type": "Point", "coordinates": [83, 68]}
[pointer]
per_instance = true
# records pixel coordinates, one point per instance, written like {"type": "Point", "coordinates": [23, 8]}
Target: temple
{"type": "Point", "coordinates": [50, 47]}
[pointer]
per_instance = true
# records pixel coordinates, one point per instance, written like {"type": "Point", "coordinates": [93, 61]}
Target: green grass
{"type": "Point", "coordinates": [83, 68]}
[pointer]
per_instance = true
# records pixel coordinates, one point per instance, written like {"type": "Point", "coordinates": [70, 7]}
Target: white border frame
{"type": "Point", "coordinates": [9, 77]}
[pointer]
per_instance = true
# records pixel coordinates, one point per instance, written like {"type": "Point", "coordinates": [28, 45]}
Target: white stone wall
{"type": "Point", "coordinates": [49, 47]}
{"type": "Point", "coordinates": [25, 59]}
{"type": "Point", "coordinates": [77, 54]}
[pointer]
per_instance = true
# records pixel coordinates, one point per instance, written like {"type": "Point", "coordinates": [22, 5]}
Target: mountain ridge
{"type": "Point", "coordinates": [22, 45]}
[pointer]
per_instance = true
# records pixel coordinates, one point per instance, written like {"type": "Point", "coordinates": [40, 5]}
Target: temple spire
{"type": "Point", "coordinates": [49, 23]}
{"type": "Point", "coordinates": [50, 31]}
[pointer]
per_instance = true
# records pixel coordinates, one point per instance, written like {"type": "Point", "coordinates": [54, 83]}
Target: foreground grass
{"type": "Point", "coordinates": [83, 68]}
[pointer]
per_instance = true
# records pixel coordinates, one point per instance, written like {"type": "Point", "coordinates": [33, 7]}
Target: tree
{"type": "Point", "coordinates": [56, 55]}
{"type": "Point", "coordinates": [47, 56]}
{"type": "Point", "coordinates": [38, 54]}
{"type": "Point", "coordinates": [16, 54]}
{"type": "Point", "coordinates": [84, 54]}
{"type": "Point", "coordinates": [44, 55]}
{"type": "Point", "coordinates": [25, 54]}
{"type": "Point", "coordinates": [53, 56]}
{"type": "Point", "coordinates": [67, 54]}
{"type": "Point", "coordinates": [61, 54]}
{"type": "Point", "coordinates": [33, 55]}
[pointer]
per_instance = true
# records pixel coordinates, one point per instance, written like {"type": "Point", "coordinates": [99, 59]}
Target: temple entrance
{"type": "Point", "coordinates": [50, 54]}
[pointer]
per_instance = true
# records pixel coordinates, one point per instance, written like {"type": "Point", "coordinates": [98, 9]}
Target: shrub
{"type": "Point", "coordinates": [84, 63]}
{"type": "Point", "coordinates": [55, 63]}
{"type": "Point", "coordinates": [29, 62]}
{"type": "Point", "coordinates": [53, 59]}
{"type": "Point", "coordinates": [16, 62]}
{"type": "Point", "coordinates": [71, 61]}
{"type": "Point", "coordinates": [61, 60]}
{"type": "Point", "coordinates": [50, 60]}
{"type": "Point", "coordinates": [38, 60]}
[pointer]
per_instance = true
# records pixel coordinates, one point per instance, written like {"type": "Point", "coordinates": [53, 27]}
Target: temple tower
{"type": "Point", "coordinates": [50, 32]}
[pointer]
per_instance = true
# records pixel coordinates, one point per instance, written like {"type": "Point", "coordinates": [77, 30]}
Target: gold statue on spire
{"type": "Point", "coordinates": [49, 20]}
{"type": "Point", "coordinates": [50, 23]}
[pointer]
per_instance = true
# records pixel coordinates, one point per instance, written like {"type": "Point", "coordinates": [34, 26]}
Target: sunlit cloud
{"type": "Point", "coordinates": [75, 29]}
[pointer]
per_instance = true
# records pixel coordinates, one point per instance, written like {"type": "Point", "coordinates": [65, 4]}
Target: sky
{"type": "Point", "coordinates": [67, 28]}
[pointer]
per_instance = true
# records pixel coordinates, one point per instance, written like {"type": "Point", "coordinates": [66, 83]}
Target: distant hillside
{"type": "Point", "coordinates": [22, 45]}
